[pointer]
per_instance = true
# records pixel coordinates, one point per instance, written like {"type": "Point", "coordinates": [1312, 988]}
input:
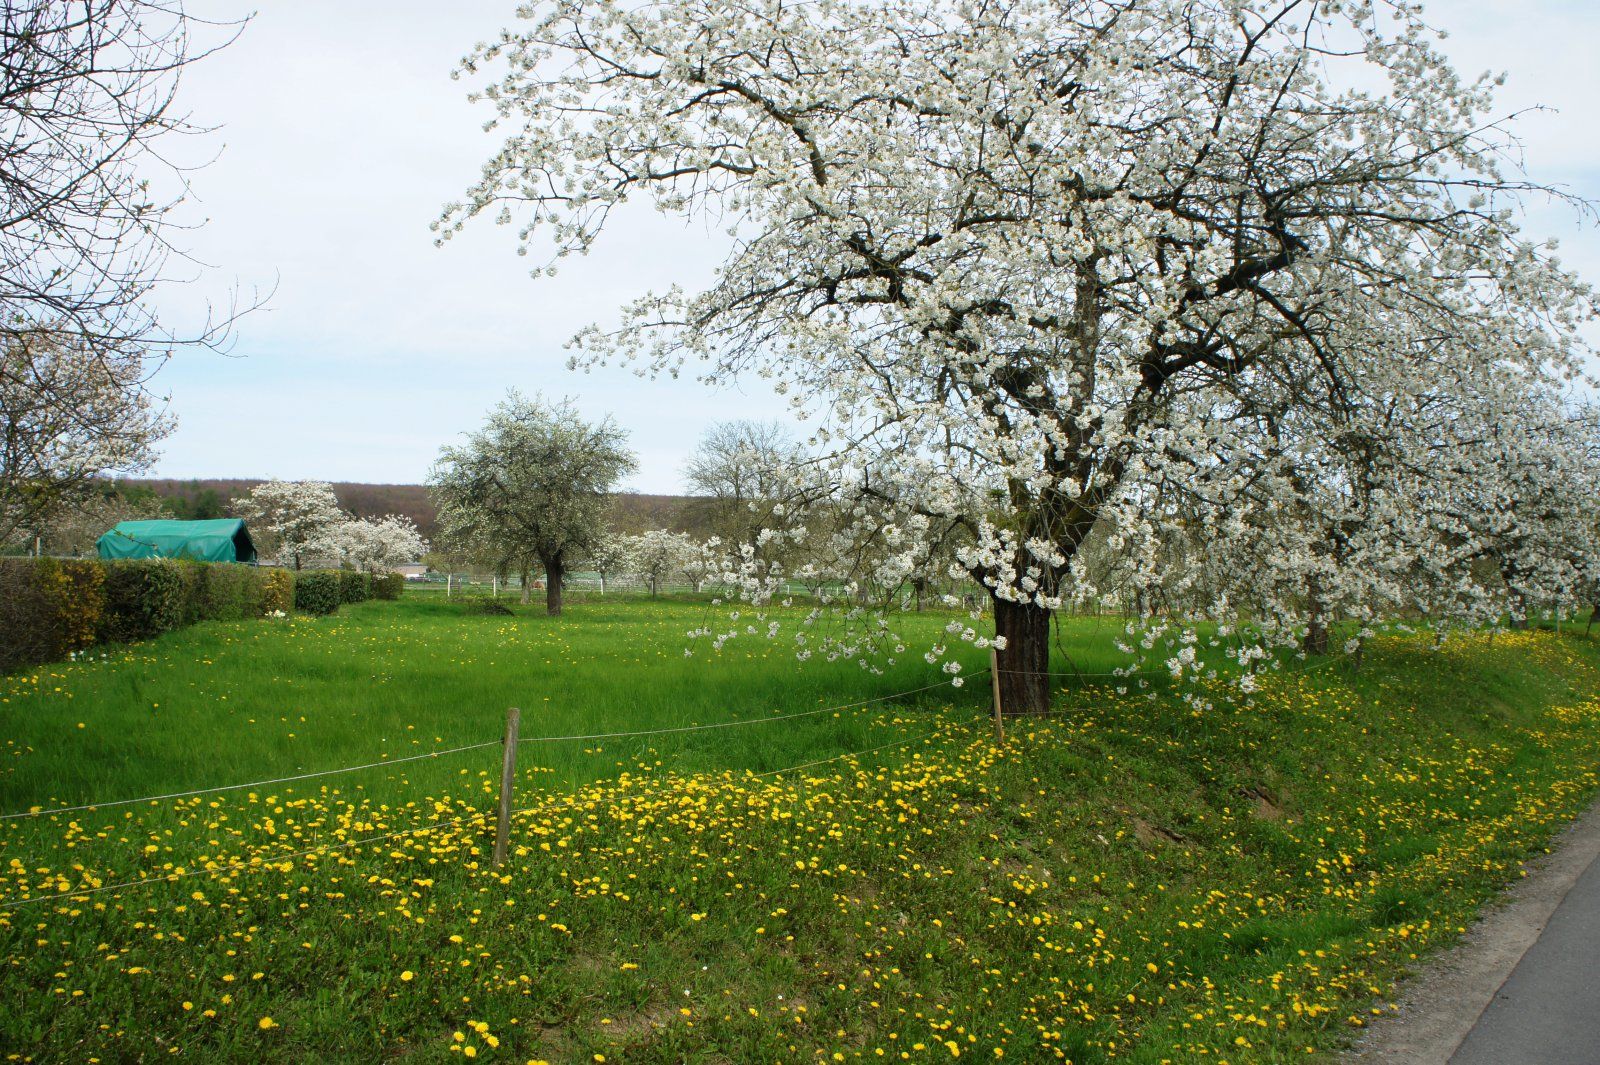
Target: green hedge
{"type": "Point", "coordinates": [354, 586]}
{"type": "Point", "coordinates": [52, 608]}
{"type": "Point", "coordinates": [388, 585]}
{"type": "Point", "coordinates": [226, 593]}
{"type": "Point", "coordinates": [318, 591]}
{"type": "Point", "coordinates": [49, 609]}
{"type": "Point", "coordinates": [146, 597]}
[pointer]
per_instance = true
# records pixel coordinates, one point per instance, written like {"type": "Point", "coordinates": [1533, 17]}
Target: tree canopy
{"type": "Point", "coordinates": [1062, 267]}
{"type": "Point", "coordinates": [532, 486]}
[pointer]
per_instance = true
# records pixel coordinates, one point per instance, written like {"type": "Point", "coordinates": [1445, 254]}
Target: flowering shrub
{"type": "Point", "coordinates": [277, 591]}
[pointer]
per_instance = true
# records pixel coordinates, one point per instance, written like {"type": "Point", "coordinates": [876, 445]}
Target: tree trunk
{"type": "Point", "coordinates": [524, 576]}
{"type": "Point", "coordinates": [1516, 605]}
{"type": "Point", "coordinates": [1593, 617]}
{"type": "Point", "coordinates": [554, 575]}
{"type": "Point", "coordinates": [1025, 659]}
{"type": "Point", "coordinates": [919, 588]}
{"type": "Point", "coordinates": [1519, 613]}
{"type": "Point", "coordinates": [1316, 638]}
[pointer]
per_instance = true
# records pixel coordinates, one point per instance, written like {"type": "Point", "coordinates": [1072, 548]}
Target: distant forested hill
{"type": "Point", "coordinates": [211, 497]}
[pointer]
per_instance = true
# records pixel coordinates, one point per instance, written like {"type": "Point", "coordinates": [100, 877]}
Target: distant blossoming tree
{"type": "Point", "coordinates": [658, 554]}
{"type": "Point", "coordinates": [378, 545]}
{"type": "Point", "coordinates": [300, 519]}
{"type": "Point", "coordinates": [532, 486]}
{"type": "Point", "coordinates": [607, 556]}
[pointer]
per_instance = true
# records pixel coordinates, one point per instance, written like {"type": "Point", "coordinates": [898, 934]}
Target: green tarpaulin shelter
{"type": "Point", "coordinates": [216, 540]}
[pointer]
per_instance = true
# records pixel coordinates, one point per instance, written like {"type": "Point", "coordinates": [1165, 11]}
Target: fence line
{"type": "Point", "coordinates": [457, 750]}
{"type": "Point", "coordinates": [238, 787]}
{"type": "Point", "coordinates": [480, 818]}
{"type": "Point", "coordinates": [574, 737]}
{"type": "Point", "coordinates": [742, 721]}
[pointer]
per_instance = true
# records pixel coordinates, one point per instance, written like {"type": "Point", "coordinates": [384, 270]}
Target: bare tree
{"type": "Point", "coordinates": [739, 470]}
{"type": "Point", "coordinates": [86, 109]}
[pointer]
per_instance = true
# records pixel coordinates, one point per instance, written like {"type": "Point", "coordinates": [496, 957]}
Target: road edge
{"type": "Point", "coordinates": [1442, 1001]}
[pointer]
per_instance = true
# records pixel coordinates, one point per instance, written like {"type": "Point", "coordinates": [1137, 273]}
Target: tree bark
{"type": "Point", "coordinates": [555, 572]}
{"type": "Point", "coordinates": [1593, 617]}
{"type": "Point", "coordinates": [1517, 606]}
{"type": "Point", "coordinates": [1316, 638]}
{"type": "Point", "coordinates": [524, 576]}
{"type": "Point", "coordinates": [1025, 659]}
{"type": "Point", "coordinates": [1519, 613]}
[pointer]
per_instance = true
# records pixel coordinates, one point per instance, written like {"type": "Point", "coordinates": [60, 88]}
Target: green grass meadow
{"type": "Point", "coordinates": [220, 703]}
{"type": "Point", "coordinates": [1130, 880]}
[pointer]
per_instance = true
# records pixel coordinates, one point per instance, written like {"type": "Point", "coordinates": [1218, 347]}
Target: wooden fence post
{"type": "Point", "coordinates": [994, 678]}
{"type": "Point", "coordinates": [508, 770]}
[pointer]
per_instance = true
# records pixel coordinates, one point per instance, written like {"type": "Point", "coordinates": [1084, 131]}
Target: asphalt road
{"type": "Point", "coordinates": [1548, 1010]}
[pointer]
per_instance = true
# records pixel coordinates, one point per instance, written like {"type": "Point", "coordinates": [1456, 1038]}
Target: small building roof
{"type": "Point", "coordinates": [211, 540]}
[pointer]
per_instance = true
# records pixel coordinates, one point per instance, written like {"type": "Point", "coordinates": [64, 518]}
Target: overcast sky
{"type": "Point", "coordinates": [340, 136]}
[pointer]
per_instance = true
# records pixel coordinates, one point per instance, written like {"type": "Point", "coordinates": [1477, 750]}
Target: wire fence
{"type": "Point", "coordinates": [41, 811]}
{"type": "Point", "coordinates": [566, 738]}
{"type": "Point", "coordinates": [1276, 669]}
{"type": "Point", "coordinates": [482, 819]}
